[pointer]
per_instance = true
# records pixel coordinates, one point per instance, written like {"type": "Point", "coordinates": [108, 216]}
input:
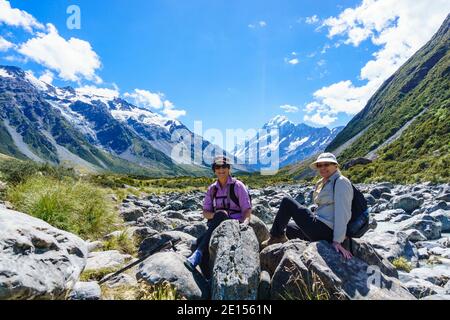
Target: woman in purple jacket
{"type": "Point", "coordinates": [227, 198]}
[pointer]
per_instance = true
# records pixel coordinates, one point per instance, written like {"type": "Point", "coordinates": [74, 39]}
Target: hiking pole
{"type": "Point", "coordinates": [165, 245]}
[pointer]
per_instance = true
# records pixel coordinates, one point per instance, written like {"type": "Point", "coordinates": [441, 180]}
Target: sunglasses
{"type": "Point", "coordinates": [223, 166]}
{"type": "Point", "coordinates": [323, 165]}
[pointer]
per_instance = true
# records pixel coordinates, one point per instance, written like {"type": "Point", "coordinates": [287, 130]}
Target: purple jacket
{"type": "Point", "coordinates": [221, 198]}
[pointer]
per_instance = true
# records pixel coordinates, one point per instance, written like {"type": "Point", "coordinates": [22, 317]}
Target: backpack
{"type": "Point", "coordinates": [359, 222]}
{"type": "Point", "coordinates": [231, 196]}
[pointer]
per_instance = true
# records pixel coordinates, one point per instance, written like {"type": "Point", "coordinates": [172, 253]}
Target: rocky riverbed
{"type": "Point", "coordinates": [410, 229]}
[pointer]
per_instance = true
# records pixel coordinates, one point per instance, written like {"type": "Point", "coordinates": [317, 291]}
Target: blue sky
{"type": "Point", "coordinates": [231, 63]}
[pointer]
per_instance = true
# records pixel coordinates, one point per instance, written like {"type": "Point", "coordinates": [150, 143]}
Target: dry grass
{"type": "Point", "coordinates": [142, 291]}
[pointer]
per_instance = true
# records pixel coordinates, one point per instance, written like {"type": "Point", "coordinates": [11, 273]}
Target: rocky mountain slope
{"type": "Point", "coordinates": [405, 125]}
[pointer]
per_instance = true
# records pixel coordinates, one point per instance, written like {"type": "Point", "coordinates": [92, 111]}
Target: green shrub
{"type": "Point", "coordinates": [75, 206]}
{"type": "Point", "coordinates": [16, 171]}
{"type": "Point", "coordinates": [402, 264]}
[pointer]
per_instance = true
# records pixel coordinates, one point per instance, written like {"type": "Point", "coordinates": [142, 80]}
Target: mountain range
{"type": "Point", "coordinates": [97, 132]}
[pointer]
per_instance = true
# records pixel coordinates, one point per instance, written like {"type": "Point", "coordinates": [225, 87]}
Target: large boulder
{"type": "Point", "coordinates": [169, 267]}
{"type": "Point", "coordinates": [259, 227]}
{"type": "Point", "coordinates": [391, 245]}
{"type": "Point", "coordinates": [426, 224]}
{"type": "Point", "coordinates": [443, 216]}
{"type": "Point", "coordinates": [234, 253]}
{"type": "Point", "coordinates": [37, 261]}
{"type": "Point", "coordinates": [367, 253]}
{"type": "Point", "coordinates": [291, 278]}
{"type": "Point", "coordinates": [272, 255]}
{"type": "Point", "coordinates": [350, 279]}
{"type": "Point", "coordinates": [406, 202]}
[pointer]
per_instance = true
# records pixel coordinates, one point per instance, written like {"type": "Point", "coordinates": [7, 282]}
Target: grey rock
{"type": "Point", "coordinates": [426, 224]}
{"type": "Point", "coordinates": [291, 278]}
{"type": "Point", "coordinates": [352, 279]}
{"type": "Point", "coordinates": [141, 233]}
{"type": "Point", "coordinates": [386, 196]}
{"type": "Point", "coordinates": [414, 235]}
{"type": "Point", "coordinates": [235, 259]}
{"type": "Point", "coordinates": [438, 275]}
{"type": "Point", "coordinates": [263, 212]}
{"type": "Point", "coordinates": [169, 267]}
{"type": "Point", "coordinates": [131, 213]}
{"type": "Point", "coordinates": [421, 288]}
{"type": "Point", "coordinates": [438, 297]}
{"type": "Point", "coordinates": [37, 261]}
{"type": "Point", "coordinates": [264, 286]}
{"type": "Point", "coordinates": [406, 202]}
{"type": "Point", "coordinates": [150, 244]}
{"type": "Point", "coordinates": [371, 201]}
{"type": "Point", "coordinates": [121, 280]}
{"type": "Point", "coordinates": [271, 256]}
{"type": "Point", "coordinates": [391, 245]}
{"type": "Point", "coordinates": [111, 259]}
{"type": "Point", "coordinates": [367, 253]}
{"type": "Point", "coordinates": [194, 229]}
{"type": "Point", "coordinates": [443, 216]}
{"type": "Point", "coordinates": [86, 291]}
{"type": "Point", "coordinates": [259, 227]}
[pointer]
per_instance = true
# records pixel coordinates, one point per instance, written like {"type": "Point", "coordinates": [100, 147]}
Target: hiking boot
{"type": "Point", "coordinates": [273, 240]}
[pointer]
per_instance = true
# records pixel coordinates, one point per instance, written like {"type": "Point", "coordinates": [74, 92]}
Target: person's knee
{"type": "Point", "coordinates": [220, 216]}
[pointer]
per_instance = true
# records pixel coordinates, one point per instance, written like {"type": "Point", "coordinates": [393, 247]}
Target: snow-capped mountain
{"type": "Point", "coordinates": [295, 142]}
{"type": "Point", "coordinates": [89, 129]}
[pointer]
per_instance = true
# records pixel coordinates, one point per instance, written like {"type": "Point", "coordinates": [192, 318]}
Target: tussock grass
{"type": "Point", "coordinates": [309, 288]}
{"type": "Point", "coordinates": [142, 291]}
{"type": "Point", "coordinates": [72, 205]}
{"type": "Point", "coordinates": [123, 243]}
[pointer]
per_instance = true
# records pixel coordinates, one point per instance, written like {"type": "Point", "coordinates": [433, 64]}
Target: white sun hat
{"type": "Point", "coordinates": [324, 157]}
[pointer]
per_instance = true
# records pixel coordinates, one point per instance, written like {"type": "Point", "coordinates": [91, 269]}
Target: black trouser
{"type": "Point", "coordinates": [303, 227]}
{"type": "Point", "coordinates": [203, 240]}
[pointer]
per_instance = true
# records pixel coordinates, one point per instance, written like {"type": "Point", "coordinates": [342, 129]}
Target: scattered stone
{"type": "Point", "coordinates": [111, 259]}
{"type": "Point", "coordinates": [86, 291]}
{"type": "Point", "coordinates": [406, 202]}
{"type": "Point", "coordinates": [37, 261]}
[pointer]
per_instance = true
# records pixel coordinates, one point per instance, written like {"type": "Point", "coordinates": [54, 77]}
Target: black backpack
{"type": "Point", "coordinates": [359, 222]}
{"type": "Point", "coordinates": [233, 196]}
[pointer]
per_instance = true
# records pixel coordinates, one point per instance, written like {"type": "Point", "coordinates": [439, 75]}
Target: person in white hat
{"type": "Point", "coordinates": [327, 219]}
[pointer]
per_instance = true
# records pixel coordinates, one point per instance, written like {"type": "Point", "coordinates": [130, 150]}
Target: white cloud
{"type": "Point", "coordinates": [312, 20]}
{"type": "Point", "coordinates": [293, 61]}
{"type": "Point", "coordinates": [149, 100]}
{"type": "Point", "coordinates": [289, 109]}
{"type": "Point", "coordinates": [320, 119]}
{"type": "Point", "coordinates": [146, 99]}
{"type": "Point", "coordinates": [17, 18]}
{"type": "Point", "coordinates": [260, 24]}
{"type": "Point", "coordinates": [100, 92]}
{"type": "Point", "coordinates": [5, 45]}
{"type": "Point", "coordinates": [73, 59]}
{"type": "Point", "coordinates": [399, 28]}
{"type": "Point", "coordinates": [47, 77]}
